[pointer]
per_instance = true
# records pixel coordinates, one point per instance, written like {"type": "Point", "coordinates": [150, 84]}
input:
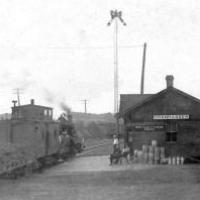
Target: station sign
{"type": "Point", "coordinates": [165, 117]}
{"type": "Point", "coordinates": [148, 127]}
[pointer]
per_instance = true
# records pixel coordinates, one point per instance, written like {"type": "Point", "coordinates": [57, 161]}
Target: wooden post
{"type": "Point", "coordinates": [143, 69]}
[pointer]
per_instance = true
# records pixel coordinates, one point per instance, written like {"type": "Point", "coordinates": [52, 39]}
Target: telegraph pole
{"type": "Point", "coordinates": [17, 91]}
{"type": "Point", "coordinates": [115, 16]}
{"type": "Point", "coordinates": [143, 69]}
{"type": "Point", "coordinates": [85, 104]}
{"type": "Point", "coordinates": [18, 96]}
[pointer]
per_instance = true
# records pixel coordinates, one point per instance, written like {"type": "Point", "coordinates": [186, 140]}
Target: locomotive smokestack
{"type": "Point", "coordinates": [32, 101]}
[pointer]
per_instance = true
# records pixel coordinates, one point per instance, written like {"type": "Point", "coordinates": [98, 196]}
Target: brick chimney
{"type": "Point", "coordinates": [32, 101]}
{"type": "Point", "coordinates": [170, 80]}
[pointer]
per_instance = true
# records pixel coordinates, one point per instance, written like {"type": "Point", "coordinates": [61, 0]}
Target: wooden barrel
{"type": "Point", "coordinates": [157, 152]}
{"type": "Point", "coordinates": [182, 160]}
{"type": "Point", "coordinates": [146, 157]}
{"type": "Point", "coordinates": [150, 158]}
{"type": "Point", "coordinates": [157, 155]}
{"type": "Point", "coordinates": [136, 155]}
{"type": "Point", "coordinates": [145, 148]}
{"type": "Point", "coordinates": [151, 149]}
{"type": "Point", "coordinates": [178, 160]}
{"type": "Point", "coordinates": [154, 143]}
{"type": "Point", "coordinates": [162, 155]}
{"type": "Point", "coordinates": [169, 161]}
{"type": "Point", "coordinates": [173, 160]}
{"type": "Point", "coordinates": [162, 152]}
{"type": "Point", "coordinates": [140, 156]}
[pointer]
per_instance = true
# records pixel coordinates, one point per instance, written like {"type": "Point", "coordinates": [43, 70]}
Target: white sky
{"type": "Point", "coordinates": [45, 48]}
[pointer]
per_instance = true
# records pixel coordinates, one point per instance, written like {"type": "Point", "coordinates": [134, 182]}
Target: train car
{"type": "Point", "coordinates": [38, 136]}
{"type": "Point", "coordinates": [33, 127]}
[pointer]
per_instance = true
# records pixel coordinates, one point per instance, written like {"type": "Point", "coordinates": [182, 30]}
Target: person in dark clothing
{"type": "Point", "coordinates": [116, 156]}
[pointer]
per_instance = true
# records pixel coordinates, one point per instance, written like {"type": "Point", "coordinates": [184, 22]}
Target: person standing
{"type": "Point", "coordinates": [115, 143]}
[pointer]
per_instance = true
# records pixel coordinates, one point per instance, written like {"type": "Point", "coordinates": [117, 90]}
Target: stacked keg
{"type": "Point", "coordinates": [156, 155]}
{"type": "Point", "coordinates": [162, 155]}
{"type": "Point", "coordinates": [140, 156]}
{"type": "Point", "coordinates": [150, 154]}
{"type": "Point", "coordinates": [145, 151]}
{"type": "Point", "coordinates": [179, 160]}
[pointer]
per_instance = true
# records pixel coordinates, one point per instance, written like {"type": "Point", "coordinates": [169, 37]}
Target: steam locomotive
{"type": "Point", "coordinates": [38, 139]}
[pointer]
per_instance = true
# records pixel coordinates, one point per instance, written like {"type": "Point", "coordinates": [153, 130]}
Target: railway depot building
{"type": "Point", "coordinates": [171, 117]}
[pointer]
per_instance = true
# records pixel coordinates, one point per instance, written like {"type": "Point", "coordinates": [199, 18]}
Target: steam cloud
{"type": "Point", "coordinates": [52, 98]}
{"type": "Point", "coordinates": [65, 108]}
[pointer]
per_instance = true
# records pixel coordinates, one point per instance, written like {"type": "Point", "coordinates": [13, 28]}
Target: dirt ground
{"type": "Point", "coordinates": [91, 178]}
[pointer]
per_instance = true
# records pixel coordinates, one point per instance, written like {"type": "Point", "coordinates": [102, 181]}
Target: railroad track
{"type": "Point", "coordinates": [93, 148]}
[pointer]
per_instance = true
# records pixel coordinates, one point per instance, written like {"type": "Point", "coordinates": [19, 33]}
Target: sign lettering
{"type": "Point", "coordinates": [148, 127]}
{"type": "Point", "coordinates": [165, 117]}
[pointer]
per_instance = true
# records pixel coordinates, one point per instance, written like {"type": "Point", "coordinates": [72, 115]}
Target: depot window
{"type": "Point", "coordinates": [45, 112]}
{"type": "Point", "coordinates": [50, 112]}
{"type": "Point", "coordinates": [171, 136]}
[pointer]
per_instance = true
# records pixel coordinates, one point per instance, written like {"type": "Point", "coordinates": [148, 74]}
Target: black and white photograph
{"type": "Point", "coordinates": [100, 100]}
